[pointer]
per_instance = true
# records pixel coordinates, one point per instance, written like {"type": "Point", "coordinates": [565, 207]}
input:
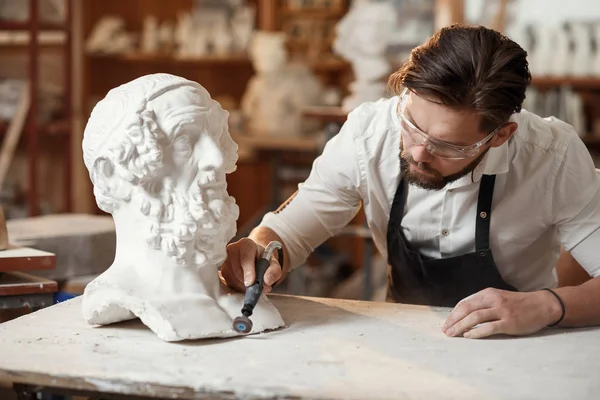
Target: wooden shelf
{"type": "Point", "coordinates": [326, 114]}
{"type": "Point", "coordinates": [162, 59]}
{"type": "Point", "coordinates": [60, 127]}
{"type": "Point", "coordinates": [321, 13]}
{"type": "Point", "coordinates": [258, 142]}
{"type": "Point", "coordinates": [591, 140]}
{"type": "Point", "coordinates": [325, 64]}
{"type": "Point", "coordinates": [328, 64]}
{"type": "Point", "coordinates": [26, 25]}
{"type": "Point", "coordinates": [19, 284]}
{"type": "Point", "coordinates": [18, 40]}
{"type": "Point", "coordinates": [575, 82]}
{"type": "Point", "coordinates": [17, 258]}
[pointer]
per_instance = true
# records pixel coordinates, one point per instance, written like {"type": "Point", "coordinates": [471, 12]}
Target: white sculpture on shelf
{"type": "Point", "coordinates": [581, 35]}
{"type": "Point", "coordinates": [110, 37]}
{"type": "Point", "coordinates": [191, 37]}
{"type": "Point", "coordinates": [275, 97]}
{"type": "Point", "coordinates": [551, 53]}
{"type": "Point", "coordinates": [150, 40]}
{"type": "Point", "coordinates": [362, 37]}
{"type": "Point", "coordinates": [242, 26]}
{"type": "Point", "coordinates": [158, 150]}
{"type": "Point", "coordinates": [166, 33]}
{"type": "Point", "coordinates": [221, 38]}
{"type": "Point", "coordinates": [595, 61]}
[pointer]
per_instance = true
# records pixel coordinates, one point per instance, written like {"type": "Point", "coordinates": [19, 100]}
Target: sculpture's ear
{"type": "Point", "coordinates": [103, 171]}
{"type": "Point", "coordinates": [109, 187]}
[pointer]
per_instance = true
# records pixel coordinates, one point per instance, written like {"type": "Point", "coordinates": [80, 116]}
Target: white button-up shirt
{"type": "Point", "coordinates": [547, 193]}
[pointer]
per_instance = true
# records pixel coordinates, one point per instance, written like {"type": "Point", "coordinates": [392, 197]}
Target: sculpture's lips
{"type": "Point", "coordinates": [214, 185]}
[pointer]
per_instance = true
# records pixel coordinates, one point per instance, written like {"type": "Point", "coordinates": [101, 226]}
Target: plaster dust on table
{"type": "Point", "coordinates": [330, 359]}
{"type": "Point", "coordinates": [158, 150]}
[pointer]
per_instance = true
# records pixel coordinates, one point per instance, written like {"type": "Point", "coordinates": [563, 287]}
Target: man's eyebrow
{"type": "Point", "coordinates": [412, 121]}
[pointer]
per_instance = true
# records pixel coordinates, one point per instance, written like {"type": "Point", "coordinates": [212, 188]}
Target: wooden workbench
{"type": "Point", "coordinates": [330, 349]}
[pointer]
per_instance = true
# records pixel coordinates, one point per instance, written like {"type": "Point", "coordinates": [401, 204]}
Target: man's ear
{"type": "Point", "coordinates": [504, 133]}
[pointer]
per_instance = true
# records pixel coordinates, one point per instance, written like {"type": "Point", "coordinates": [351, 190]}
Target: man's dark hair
{"type": "Point", "coordinates": [470, 68]}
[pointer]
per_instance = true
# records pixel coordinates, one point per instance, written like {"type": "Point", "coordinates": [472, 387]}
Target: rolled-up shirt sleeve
{"type": "Point", "coordinates": [326, 202]}
{"type": "Point", "coordinates": [576, 206]}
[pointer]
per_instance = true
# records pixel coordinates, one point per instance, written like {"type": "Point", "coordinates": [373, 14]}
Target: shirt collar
{"type": "Point", "coordinates": [494, 162]}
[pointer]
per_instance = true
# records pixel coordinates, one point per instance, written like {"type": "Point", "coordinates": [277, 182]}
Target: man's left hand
{"type": "Point", "coordinates": [493, 311]}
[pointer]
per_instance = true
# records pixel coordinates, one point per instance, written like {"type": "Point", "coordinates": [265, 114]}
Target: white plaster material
{"type": "Point", "coordinates": [332, 349]}
{"type": "Point", "coordinates": [150, 39]}
{"type": "Point", "coordinates": [28, 231]}
{"type": "Point", "coordinates": [83, 244]}
{"type": "Point", "coordinates": [23, 252]}
{"type": "Point", "coordinates": [362, 37]}
{"type": "Point", "coordinates": [109, 36]}
{"type": "Point", "coordinates": [242, 26]}
{"type": "Point", "coordinates": [582, 38]}
{"type": "Point", "coordinates": [595, 57]}
{"type": "Point", "coordinates": [158, 150]}
{"type": "Point", "coordinates": [276, 96]}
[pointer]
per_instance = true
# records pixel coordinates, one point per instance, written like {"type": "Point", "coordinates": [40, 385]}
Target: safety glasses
{"type": "Point", "coordinates": [436, 147]}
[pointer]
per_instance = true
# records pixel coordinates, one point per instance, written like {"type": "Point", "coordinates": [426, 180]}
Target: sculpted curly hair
{"type": "Point", "coordinates": [136, 156]}
{"type": "Point", "coordinates": [133, 139]}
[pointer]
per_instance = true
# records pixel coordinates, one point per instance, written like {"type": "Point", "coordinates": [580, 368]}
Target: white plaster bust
{"type": "Point", "coordinates": [276, 96]}
{"type": "Point", "coordinates": [158, 150]}
{"type": "Point", "coordinates": [362, 38]}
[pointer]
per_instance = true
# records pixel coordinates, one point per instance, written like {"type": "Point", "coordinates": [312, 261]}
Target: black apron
{"type": "Point", "coordinates": [416, 279]}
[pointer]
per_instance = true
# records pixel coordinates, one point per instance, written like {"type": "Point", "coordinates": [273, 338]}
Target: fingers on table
{"type": "Point", "coordinates": [471, 320]}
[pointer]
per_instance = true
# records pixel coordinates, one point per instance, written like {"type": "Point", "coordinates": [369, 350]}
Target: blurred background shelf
{"type": "Point", "coordinates": [325, 64]}
{"type": "Point", "coordinates": [592, 83]}
{"type": "Point", "coordinates": [592, 141]}
{"type": "Point", "coordinates": [27, 25]}
{"type": "Point", "coordinates": [29, 38]}
{"type": "Point", "coordinates": [60, 127]}
{"type": "Point", "coordinates": [163, 59]}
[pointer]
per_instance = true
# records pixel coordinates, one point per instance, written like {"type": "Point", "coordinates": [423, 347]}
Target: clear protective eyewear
{"type": "Point", "coordinates": [437, 147]}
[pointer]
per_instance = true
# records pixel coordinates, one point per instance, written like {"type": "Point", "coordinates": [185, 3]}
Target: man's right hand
{"type": "Point", "coordinates": [238, 271]}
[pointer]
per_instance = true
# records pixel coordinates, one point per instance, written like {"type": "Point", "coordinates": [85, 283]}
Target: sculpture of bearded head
{"type": "Point", "coordinates": [158, 150]}
{"type": "Point", "coordinates": [159, 146]}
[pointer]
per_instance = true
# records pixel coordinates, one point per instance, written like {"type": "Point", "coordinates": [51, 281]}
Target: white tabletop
{"type": "Point", "coordinates": [330, 349]}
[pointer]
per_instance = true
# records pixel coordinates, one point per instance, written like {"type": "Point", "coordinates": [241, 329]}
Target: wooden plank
{"type": "Point", "coordinates": [175, 60]}
{"type": "Point", "coordinates": [326, 114]}
{"type": "Point", "coordinates": [13, 133]}
{"type": "Point", "coordinates": [6, 25]}
{"type": "Point", "coordinates": [329, 349]}
{"type": "Point", "coordinates": [3, 231]}
{"type": "Point", "coordinates": [448, 12]}
{"type": "Point", "coordinates": [17, 258]}
{"type": "Point", "coordinates": [264, 142]}
{"type": "Point", "coordinates": [19, 284]}
{"type": "Point", "coordinates": [553, 82]}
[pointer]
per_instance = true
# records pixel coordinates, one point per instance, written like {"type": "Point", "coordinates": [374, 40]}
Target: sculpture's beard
{"type": "Point", "coordinates": [195, 225]}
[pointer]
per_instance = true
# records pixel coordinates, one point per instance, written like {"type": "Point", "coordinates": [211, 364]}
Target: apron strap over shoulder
{"type": "Point", "coordinates": [484, 212]}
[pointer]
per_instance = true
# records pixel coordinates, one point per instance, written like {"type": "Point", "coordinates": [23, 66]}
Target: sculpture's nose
{"type": "Point", "coordinates": [210, 155]}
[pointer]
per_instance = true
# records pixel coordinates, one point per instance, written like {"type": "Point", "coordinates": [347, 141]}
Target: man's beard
{"type": "Point", "coordinates": [433, 180]}
{"type": "Point", "coordinates": [194, 226]}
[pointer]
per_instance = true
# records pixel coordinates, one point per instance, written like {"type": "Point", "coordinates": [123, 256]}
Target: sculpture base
{"type": "Point", "coordinates": [172, 315]}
